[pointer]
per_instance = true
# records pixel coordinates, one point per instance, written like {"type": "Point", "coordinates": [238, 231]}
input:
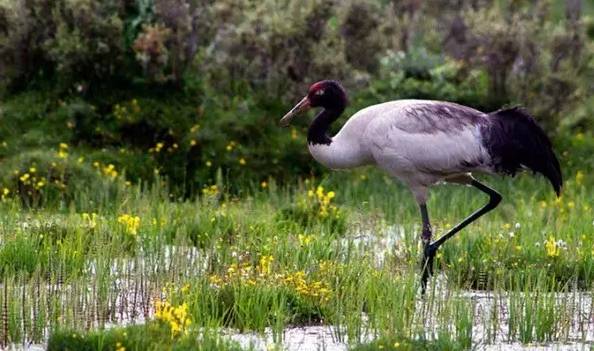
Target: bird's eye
{"type": "Point", "coordinates": [320, 92]}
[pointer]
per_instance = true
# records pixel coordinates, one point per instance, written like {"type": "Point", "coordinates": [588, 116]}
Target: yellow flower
{"type": "Point", "coordinates": [158, 147]}
{"type": "Point", "coordinates": [242, 161]}
{"type": "Point", "coordinates": [579, 177]}
{"type": "Point", "coordinates": [551, 247]}
{"type": "Point", "coordinates": [304, 240]}
{"type": "Point", "coordinates": [62, 150]}
{"type": "Point", "coordinates": [320, 191]}
{"type": "Point", "coordinates": [264, 184]}
{"type": "Point", "coordinates": [265, 265]}
{"type": "Point", "coordinates": [216, 280]}
{"type": "Point", "coordinates": [131, 223]}
{"type": "Point", "coordinates": [212, 190]}
{"type": "Point", "coordinates": [176, 317]}
{"type": "Point", "coordinates": [230, 146]}
{"type": "Point", "coordinates": [324, 202]}
{"type": "Point", "coordinates": [5, 192]}
{"type": "Point", "coordinates": [110, 171]}
{"type": "Point", "coordinates": [25, 177]}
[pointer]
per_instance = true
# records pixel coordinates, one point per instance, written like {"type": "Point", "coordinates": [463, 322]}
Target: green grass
{"type": "Point", "coordinates": [283, 256]}
{"type": "Point", "coordinates": [151, 336]}
{"type": "Point", "coordinates": [397, 344]}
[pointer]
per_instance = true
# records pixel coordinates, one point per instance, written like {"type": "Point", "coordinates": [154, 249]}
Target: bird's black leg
{"type": "Point", "coordinates": [427, 262]}
{"type": "Point", "coordinates": [431, 249]}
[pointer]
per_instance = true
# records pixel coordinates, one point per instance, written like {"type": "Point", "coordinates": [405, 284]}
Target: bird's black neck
{"type": "Point", "coordinates": [318, 129]}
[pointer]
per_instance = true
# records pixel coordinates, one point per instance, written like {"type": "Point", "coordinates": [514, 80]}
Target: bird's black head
{"type": "Point", "coordinates": [328, 94]}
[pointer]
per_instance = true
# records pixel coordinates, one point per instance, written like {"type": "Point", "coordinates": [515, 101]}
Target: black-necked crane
{"type": "Point", "coordinates": [422, 142]}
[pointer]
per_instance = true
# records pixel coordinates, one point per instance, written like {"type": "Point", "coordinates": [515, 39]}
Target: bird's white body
{"type": "Point", "coordinates": [420, 142]}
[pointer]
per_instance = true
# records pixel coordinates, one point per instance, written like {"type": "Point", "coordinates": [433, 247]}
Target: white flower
{"type": "Point", "coordinates": [561, 244]}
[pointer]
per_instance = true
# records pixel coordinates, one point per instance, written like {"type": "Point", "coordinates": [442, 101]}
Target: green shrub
{"type": "Point", "coordinates": [531, 58]}
{"type": "Point", "coordinates": [152, 336]}
{"type": "Point", "coordinates": [317, 207]}
{"type": "Point", "coordinates": [166, 46]}
{"type": "Point", "coordinates": [423, 75]}
{"type": "Point", "coordinates": [87, 45]}
{"type": "Point", "coordinates": [39, 178]}
{"type": "Point", "coordinates": [189, 90]}
{"type": "Point", "coordinates": [20, 255]}
{"type": "Point", "coordinates": [24, 26]}
{"type": "Point", "coordinates": [49, 249]}
{"type": "Point", "coordinates": [403, 344]}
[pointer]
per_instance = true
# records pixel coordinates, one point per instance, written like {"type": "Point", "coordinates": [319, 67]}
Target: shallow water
{"type": "Point", "coordinates": [315, 338]}
{"type": "Point", "coordinates": [312, 338]}
{"type": "Point", "coordinates": [133, 300]}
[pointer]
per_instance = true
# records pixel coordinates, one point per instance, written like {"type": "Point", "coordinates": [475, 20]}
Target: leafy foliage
{"type": "Point", "coordinates": [152, 336]}
{"type": "Point", "coordinates": [192, 89]}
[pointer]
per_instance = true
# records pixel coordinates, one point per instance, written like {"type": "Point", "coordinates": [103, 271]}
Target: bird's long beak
{"type": "Point", "coordinates": [302, 106]}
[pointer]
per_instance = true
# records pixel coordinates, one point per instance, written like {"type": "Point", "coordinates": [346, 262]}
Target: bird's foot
{"type": "Point", "coordinates": [429, 252]}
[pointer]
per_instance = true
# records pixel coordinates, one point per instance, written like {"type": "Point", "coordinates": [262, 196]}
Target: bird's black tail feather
{"type": "Point", "coordinates": [515, 140]}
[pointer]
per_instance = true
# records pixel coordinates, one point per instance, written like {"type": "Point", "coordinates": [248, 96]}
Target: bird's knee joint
{"type": "Point", "coordinates": [495, 199]}
{"type": "Point", "coordinates": [430, 251]}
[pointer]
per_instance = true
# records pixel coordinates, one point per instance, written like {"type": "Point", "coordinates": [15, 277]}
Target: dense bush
{"type": "Point", "coordinates": [188, 88]}
{"type": "Point", "coordinates": [530, 60]}
{"type": "Point", "coordinates": [86, 44]}
{"type": "Point", "coordinates": [278, 46]}
{"type": "Point", "coordinates": [81, 43]}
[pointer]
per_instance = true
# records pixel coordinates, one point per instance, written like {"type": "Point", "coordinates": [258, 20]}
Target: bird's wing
{"type": "Point", "coordinates": [438, 138]}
